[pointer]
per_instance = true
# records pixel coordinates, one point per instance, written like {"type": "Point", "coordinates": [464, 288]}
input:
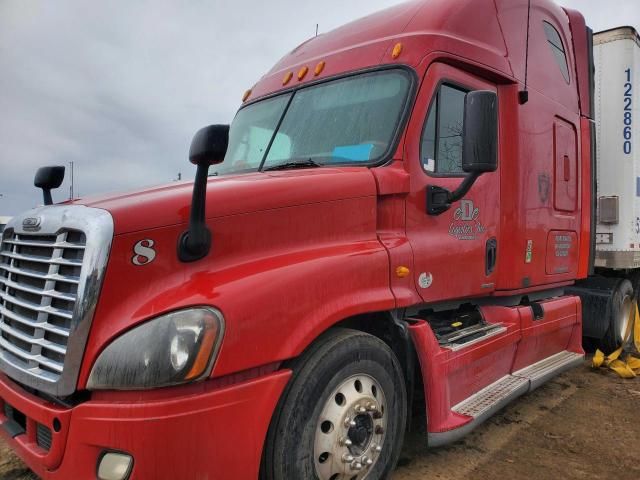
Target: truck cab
{"type": "Point", "coordinates": [390, 225]}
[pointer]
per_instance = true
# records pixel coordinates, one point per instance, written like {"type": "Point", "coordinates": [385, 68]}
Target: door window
{"type": "Point", "coordinates": [441, 142]}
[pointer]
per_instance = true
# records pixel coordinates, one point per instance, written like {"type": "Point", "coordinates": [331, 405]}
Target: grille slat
{"type": "Point", "coordinates": [33, 324]}
{"type": "Point", "coordinates": [12, 299]}
{"type": "Point", "coordinates": [43, 437]}
{"type": "Point", "coordinates": [28, 357]}
{"type": "Point", "coordinates": [33, 274]}
{"type": "Point", "coordinates": [42, 259]}
{"type": "Point", "coordinates": [36, 291]}
{"type": "Point", "coordinates": [54, 347]}
{"type": "Point", "coordinates": [36, 243]}
{"type": "Point", "coordinates": [37, 299]}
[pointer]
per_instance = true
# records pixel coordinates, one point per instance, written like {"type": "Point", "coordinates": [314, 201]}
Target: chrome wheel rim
{"type": "Point", "coordinates": [625, 320]}
{"type": "Point", "coordinates": [351, 430]}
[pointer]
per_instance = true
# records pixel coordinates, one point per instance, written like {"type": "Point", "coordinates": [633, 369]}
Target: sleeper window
{"type": "Point", "coordinates": [441, 144]}
{"type": "Point", "coordinates": [557, 48]}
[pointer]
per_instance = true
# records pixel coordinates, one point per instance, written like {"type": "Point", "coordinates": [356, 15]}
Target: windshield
{"type": "Point", "coordinates": [347, 121]}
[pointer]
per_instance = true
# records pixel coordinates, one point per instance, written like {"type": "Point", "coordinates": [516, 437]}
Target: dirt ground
{"type": "Point", "coordinates": [582, 425]}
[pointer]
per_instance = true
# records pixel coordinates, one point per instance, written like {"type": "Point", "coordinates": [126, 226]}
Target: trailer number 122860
{"type": "Point", "coordinates": [628, 117]}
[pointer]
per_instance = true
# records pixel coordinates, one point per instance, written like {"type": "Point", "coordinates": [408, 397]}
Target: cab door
{"type": "Point", "coordinates": [456, 252]}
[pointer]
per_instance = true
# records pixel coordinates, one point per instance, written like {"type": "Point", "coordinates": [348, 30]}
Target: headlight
{"type": "Point", "coordinates": [176, 348]}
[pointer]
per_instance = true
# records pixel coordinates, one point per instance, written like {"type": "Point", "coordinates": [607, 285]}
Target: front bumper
{"type": "Point", "coordinates": [213, 434]}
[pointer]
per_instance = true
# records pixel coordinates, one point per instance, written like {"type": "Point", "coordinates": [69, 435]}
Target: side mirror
{"type": "Point", "coordinates": [208, 147]}
{"type": "Point", "coordinates": [480, 132]}
{"type": "Point", "coordinates": [48, 178]}
{"type": "Point", "coordinates": [479, 149]}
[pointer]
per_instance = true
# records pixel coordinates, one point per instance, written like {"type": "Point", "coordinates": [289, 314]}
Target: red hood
{"type": "Point", "coordinates": [232, 195]}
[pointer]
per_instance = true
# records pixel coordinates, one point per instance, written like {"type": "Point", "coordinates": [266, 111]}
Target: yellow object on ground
{"type": "Point", "coordinates": [630, 366]}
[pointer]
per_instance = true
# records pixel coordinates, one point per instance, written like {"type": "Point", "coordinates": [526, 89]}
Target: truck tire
{"type": "Point", "coordinates": [621, 303]}
{"type": "Point", "coordinates": [342, 415]}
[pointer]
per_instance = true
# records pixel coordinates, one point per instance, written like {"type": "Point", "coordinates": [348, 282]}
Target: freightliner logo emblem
{"type": "Point", "coordinates": [31, 224]}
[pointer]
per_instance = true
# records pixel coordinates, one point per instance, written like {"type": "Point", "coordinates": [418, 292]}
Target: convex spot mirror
{"type": "Point", "coordinates": [209, 145]}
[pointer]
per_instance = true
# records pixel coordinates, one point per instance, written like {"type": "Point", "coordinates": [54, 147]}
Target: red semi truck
{"type": "Point", "coordinates": [400, 219]}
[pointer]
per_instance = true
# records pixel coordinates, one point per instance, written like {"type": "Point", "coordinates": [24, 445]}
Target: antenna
{"type": "Point", "coordinates": [523, 96]}
{"type": "Point", "coordinates": [316, 29]}
{"type": "Point", "coordinates": [71, 186]}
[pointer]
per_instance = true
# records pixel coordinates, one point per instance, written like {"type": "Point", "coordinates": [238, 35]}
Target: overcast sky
{"type": "Point", "coordinates": [119, 87]}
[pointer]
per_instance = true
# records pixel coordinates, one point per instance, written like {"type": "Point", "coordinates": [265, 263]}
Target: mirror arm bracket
{"type": "Point", "coordinates": [439, 199]}
{"type": "Point", "coordinates": [195, 242]}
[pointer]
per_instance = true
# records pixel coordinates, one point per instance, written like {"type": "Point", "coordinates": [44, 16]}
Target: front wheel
{"type": "Point", "coordinates": [343, 414]}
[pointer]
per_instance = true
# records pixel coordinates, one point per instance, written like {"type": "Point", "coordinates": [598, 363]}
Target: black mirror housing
{"type": "Point", "coordinates": [480, 132]}
{"type": "Point", "coordinates": [48, 178]}
{"type": "Point", "coordinates": [209, 145]}
{"type": "Point", "coordinates": [479, 149]}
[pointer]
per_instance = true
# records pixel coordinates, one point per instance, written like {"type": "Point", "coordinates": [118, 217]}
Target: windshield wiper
{"type": "Point", "coordinates": [308, 163]}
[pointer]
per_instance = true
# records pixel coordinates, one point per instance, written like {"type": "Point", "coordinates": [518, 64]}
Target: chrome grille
{"type": "Point", "coordinates": [52, 261]}
{"type": "Point", "coordinates": [39, 276]}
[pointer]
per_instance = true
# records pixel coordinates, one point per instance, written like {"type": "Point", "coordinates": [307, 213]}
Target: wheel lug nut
{"type": "Point", "coordinates": [349, 423]}
{"type": "Point", "coordinates": [356, 465]}
{"type": "Point", "coordinates": [377, 448]}
{"type": "Point", "coordinates": [367, 461]}
{"type": "Point", "coordinates": [345, 442]}
{"type": "Point", "coordinates": [346, 458]}
{"type": "Point", "coordinates": [372, 407]}
{"type": "Point", "coordinates": [379, 430]}
{"type": "Point", "coordinates": [360, 409]}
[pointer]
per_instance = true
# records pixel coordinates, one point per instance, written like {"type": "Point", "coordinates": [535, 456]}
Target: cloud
{"type": "Point", "coordinates": [120, 87]}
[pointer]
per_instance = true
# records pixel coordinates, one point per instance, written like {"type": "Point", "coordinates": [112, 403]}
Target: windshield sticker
{"type": "Point", "coordinates": [466, 225]}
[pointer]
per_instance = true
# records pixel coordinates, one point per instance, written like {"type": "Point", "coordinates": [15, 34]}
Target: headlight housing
{"type": "Point", "coordinates": [175, 348]}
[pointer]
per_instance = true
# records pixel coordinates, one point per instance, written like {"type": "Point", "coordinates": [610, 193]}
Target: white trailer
{"type": "Point", "coordinates": [608, 295]}
{"type": "Point", "coordinates": [617, 64]}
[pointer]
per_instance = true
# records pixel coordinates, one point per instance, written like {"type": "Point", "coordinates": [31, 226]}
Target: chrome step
{"type": "Point", "coordinates": [496, 396]}
{"type": "Point", "coordinates": [540, 372]}
{"type": "Point", "coordinates": [486, 332]}
{"type": "Point", "coordinates": [487, 399]}
{"type": "Point", "coordinates": [468, 332]}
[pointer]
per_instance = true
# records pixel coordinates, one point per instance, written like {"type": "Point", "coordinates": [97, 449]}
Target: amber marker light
{"type": "Point", "coordinates": [287, 78]}
{"type": "Point", "coordinates": [319, 68]}
{"type": "Point", "coordinates": [202, 360]}
{"type": "Point", "coordinates": [246, 95]}
{"type": "Point", "coordinates": [397, 50]}
{"type": "Point", "coordinates": [402, 271]}
{"type": "Point", "coordinates": [303, 72]}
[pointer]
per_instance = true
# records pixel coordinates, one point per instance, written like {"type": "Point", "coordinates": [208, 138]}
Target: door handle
{"type": "Point", "coordinates": [491, 256]}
